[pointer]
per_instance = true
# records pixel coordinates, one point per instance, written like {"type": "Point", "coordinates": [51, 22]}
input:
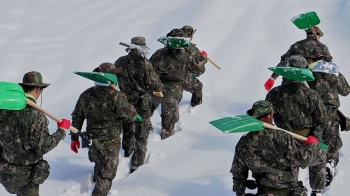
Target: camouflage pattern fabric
{"type": "Point", "coordinates": [193, 85]}
{"type": "Point", "coordinates": [25, 138]}
{"type": "Point", "coordinates": [105, 111]}
{"type": "Point", "coordinates": [298, 108]}
{"type": "Point", "coordinates": [172, 66]}
{"type": "Point", "coordinates": [138, 76]}
{"type": "Point", "coordinates": [169, 114]}
{"type": "Point", "coordinates": [330, 86]}
{"type": "Point", "coordinates": [305, 48]}
{"type": "Point", "coordinates": [271, 156]}
{"type": "Point", "coordinates": [105, 155]}
{"type": "Point", "coordinates": [34, 78]}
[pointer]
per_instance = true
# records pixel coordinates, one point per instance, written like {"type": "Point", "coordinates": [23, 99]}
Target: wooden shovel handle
{"type": "Point", "coordinates": [34, 105]}
{"type": "Point", "coordinates": [314, 32]}
{"type": "Point", "coordinates": [296, 136]}
{"type": "Point", "coordinates": [211, 60]}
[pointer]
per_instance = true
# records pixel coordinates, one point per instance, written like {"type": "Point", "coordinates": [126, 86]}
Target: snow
{"type": "Point", "coordinates": [58, 37]}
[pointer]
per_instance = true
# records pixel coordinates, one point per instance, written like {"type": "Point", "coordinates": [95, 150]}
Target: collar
{"type": "Point", "coordinates": [30, 97]}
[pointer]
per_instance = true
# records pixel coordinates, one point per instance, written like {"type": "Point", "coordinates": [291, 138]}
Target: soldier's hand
{"type": "Point", "coordinates": [158, 94]}
{"type": "Point", "coordinates": [64, 124]}
{"type": "Point", "coordinates": [311, 140]}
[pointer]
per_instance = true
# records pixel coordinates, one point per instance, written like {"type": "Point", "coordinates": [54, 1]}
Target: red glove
{"type": "Point", "coordinates": [269, 83]}
{"type": "Point", "coordinates": [64, 124]}
{"type": "Point", "coordinates": [74, 146]}
{"type": "Point", "coordinates": [204, 53]}
{"type": "Point", "coordinates": [311, 140]}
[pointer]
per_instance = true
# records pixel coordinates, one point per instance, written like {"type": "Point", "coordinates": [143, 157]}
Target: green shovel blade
{"type": "Point", "coordinates": [293, 73]}
{"type": "Point", "coordinates": [239, 123]}
{"type": "Point", "coordinates": [306, 20]}
{"type": "Point", "coordinates": [175, 42]}
{"type": "Point", "coordinates": [12, 96]}
{"type": "Point", "coordinates": [105, 78]}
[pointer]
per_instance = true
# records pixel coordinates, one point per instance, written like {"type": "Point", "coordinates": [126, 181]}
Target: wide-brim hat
{"type": "Point", "coordinates": [260, 108]}
{"type": "Point", "coordinates": [33, 78]}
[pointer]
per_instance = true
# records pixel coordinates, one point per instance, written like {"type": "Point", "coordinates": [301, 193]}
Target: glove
{"type": "Point", "coordinates": [64, 124]}
{"type": "Point", "coordinates": [269, 83]}
{"type": "Point", "coordinates": [311, 140]}
{"type": "Point", "coordinates": [204, 53]}
{"type": "Point", "coordinates": [158, 94]}
{"type": "Point", "coordinates": [74, 146]}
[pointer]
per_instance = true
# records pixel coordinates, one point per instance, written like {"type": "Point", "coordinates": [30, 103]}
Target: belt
{"type": "Point", "coordinates": [302, 132]}
{"type": "Point", "coordinates": [270, 190]}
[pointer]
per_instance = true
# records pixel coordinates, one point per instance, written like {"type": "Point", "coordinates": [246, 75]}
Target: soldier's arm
{"type": "Point", "coordinates": [152, 79]}
{"type": "Point", "coordinates": [319, 112]}
{"type": "Point", "coordinates": [124, 110]}
{"type": "Point", "coordinates": [239, 173]}
{"type": "Point", "coordinates": [41, 138]}
{"type": "Point", "coordinates": [343, 85]}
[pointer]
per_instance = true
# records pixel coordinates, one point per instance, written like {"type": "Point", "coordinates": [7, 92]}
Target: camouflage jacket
{"type": "Point", "coordinates": [25, 136]}
{"type": "Point", "coordinates": [198, 58]}
{"type": "Point", "coordinates": [298, 107]}
{"type": "Point", "coordinates": [172, 66]}
{"type": "Point", "coordinates": [305, 48]}
{"type": "Point", "coordinates": [104, 110]}
{"type": "Point", "coordinates": [271, 155]}
{"type": "Point", "coordinates": [137, 74]}
{"type": "Point", "coordinates": [330, 86]}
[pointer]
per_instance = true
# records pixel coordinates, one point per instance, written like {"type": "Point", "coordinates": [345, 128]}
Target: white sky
{"type": "Point", "coordinates": [58, 37]}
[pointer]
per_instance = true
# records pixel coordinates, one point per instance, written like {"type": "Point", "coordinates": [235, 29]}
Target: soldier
{"type": "Point", "coordinates": [303, 47]}
{"type": "Point", "coordinates": [105, 110]}
{"type": "Point", "coordinates": [191, 83]}
{"type": "Point", "coordinates": [25, 138]}
{"type": "Point", "coordinates": [329, 86]}
{"type": "Point", "coordinates": [137, 79]}
{"type": "Point", "coordinates": [271, 156]}
{"type": "Point", "coordinates": [299, 109]}
{"type": "Point", "coordinates": [172, 65]}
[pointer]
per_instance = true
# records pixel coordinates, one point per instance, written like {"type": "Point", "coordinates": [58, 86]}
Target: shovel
{"type": "Point", "coordinates": [12, 97]}
{"type": "Point", "coordinates": [211, 60]}
{"type": "Point", "coordinates": [105, 78]}
{"type": "Point", "coordinates": [306, 20]}
{"type": "Point", "coordinates": [175, 42]}
{"type": "Point", "coordinates": [246, 123]}
{"type": "Point", "coordinates": [293, 73]}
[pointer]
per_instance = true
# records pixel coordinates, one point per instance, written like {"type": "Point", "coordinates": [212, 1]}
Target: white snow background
{"type": "Point", "coordinates": [58, 37]}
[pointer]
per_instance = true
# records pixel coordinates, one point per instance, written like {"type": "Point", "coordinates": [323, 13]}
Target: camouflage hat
{"type": "Point", "coordinates": [176, 33]}
{"type": "Point", "coordinates": [188, 31]}
{"type": "Point", "coordinates": [107, 68]}
{"type": "Point", "coordinates": [317, 30]}
{"type": "Point", "coordinates": [141, 41]}
{"type": "Point", "coordinates": [316, 53]}
{"type": "Point", "coordinates": [297, 61]}
{"type": "Point", "coordinates": [33, 78]}
{"type": "Point", "coordinates": [260, 108]}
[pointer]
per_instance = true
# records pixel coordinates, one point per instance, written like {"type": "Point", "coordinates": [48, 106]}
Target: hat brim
{"type": "Point", "coordinates": [43, 85]}
{"type": "Point", "coordinates": [250, 113]}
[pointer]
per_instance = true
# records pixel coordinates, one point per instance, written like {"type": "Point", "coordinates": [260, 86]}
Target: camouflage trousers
{"type": "Point", "coordinates": [137, 141]}
{"type": "Point", "coordinates": [169, 114]}
{"type": "Point", "coordinates": [317, 176]}
{"type": "Point", "coordinates": [16, 180]}
{"type": "Point", "coordinates": [194, 86]}
{"type": "Point", "coordinates": [105, 155]}
{"type": "Point", "coordinates": [332, 138]}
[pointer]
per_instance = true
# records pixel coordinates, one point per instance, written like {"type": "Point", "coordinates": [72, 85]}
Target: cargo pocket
{"type": "Point", "coordinates": [40, 172]}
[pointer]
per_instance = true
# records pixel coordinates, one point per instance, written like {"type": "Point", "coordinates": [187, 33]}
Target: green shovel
{"type": "Point", "coordinates": [246, 123]}
{"type": "Point", "coordinates": [175, 42]}
{"type": "Point", "coordinates": [306, 20]}
{"type": "Point", "coordinates": [293, 73]}
{"type": "Point", "coordinates": [12, 97]}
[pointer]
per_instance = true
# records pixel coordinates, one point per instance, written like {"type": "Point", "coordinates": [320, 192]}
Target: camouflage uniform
{"type": "Point", "coordinates": [105, 110]}
{"type": "Point", "coordinates": [192, 84]}
{"type": "Point", "coordinates": [305, 48]}
{"type": "Point", "coordinates": [271, 155]}
{"type": "Point", "coordinates": [137, 78]}
{"type": "Point", "coordinates": [330, 86]}
{"type": "Point", "coordinates": [171, 65]}
{"type": "Point", "coordinates": [25, 138]}
{"type": "Point", "coordinates": [299, 109]}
